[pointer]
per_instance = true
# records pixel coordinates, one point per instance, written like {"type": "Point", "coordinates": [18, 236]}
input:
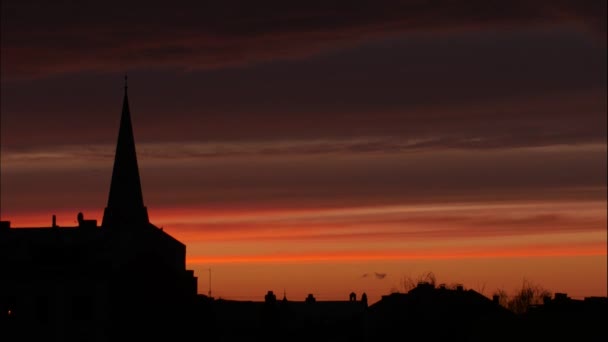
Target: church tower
{"type": "Point", "coordinates": [125, 202]}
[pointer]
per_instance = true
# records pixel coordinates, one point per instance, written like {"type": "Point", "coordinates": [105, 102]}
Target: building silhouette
{"type": "Point", "coordinates": [440, 314]}
{"type": "Point", "coordinates": [123, 278]}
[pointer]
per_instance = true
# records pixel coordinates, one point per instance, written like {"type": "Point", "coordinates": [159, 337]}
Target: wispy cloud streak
{"type": "Point", "coordinates": [192, 151]}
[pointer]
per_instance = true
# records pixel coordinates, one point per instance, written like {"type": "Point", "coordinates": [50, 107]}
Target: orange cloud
{"type": "Point", "coordinates": [377, 223]}
{"type": "Point", "coordinates": [589, 249]}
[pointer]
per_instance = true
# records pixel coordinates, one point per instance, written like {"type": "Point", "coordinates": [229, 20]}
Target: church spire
{"type": "Point", "coordinates": [125, 202]}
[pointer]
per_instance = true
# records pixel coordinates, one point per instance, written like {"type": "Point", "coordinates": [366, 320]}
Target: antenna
{"type": "Point", "coordinates": [209, 282]}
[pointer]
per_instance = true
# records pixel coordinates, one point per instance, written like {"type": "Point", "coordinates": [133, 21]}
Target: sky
{"type": "Point", "coordinates": [323, 147]}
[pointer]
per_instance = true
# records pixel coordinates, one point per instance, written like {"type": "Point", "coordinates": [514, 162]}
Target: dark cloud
{"type": "Point", "coordinates": [40, 37]}
{"type": "Point", "coordinates": [380, 275]}
{"type": "Point", "coordinates": [560, 117]}
{"type": "Point", "coordinates": [434, 88]}
{"type": "Point", "coordinates": [376, 274]}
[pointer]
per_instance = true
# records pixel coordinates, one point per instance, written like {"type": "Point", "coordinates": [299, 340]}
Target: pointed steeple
{"type": "Point", "coordinates": [125, 202]}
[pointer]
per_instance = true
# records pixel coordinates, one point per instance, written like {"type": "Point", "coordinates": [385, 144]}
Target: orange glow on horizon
{"type": "Point", "coordinates": [591, 249]}
{"type": "Point", "coordinates": [503, 236]}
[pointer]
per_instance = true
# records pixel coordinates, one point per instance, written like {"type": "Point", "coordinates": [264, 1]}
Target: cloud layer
{"type": "Point", "coordinates": [77, 36]}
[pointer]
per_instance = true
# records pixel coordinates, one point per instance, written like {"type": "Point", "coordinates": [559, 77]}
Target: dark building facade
{"type": "Point", "coordinates": [123, 278]}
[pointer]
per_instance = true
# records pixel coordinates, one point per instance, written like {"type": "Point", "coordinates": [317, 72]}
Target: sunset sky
{"type": "Point", "coordinates": [323, 147]}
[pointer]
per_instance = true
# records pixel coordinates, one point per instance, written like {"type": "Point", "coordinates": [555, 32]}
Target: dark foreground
{"type": "Point", "coordinates": [425, 313]}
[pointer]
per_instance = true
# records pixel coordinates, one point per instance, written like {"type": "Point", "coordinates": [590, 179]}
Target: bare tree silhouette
{"type": "Point", "coordinates": [528, 295]}
{"type": "Point", "coordinates": [503, 297]}
{"type": "Point", "coordinates": [408, 282]}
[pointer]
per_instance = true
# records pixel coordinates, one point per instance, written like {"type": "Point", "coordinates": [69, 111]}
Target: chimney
{"type": "Point", "coordinates": [82, 223]}
{"type": "Point", "coordinates": [310, 299]}
{"type": "Point", "coordinates": [270, 298]}
{"type": "Point", "coordinates": [54, 221]}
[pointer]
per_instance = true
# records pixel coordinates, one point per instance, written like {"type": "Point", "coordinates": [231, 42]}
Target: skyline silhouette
{"type": "Point", "coordinates": [126, 211]}
{"type": "Point", "coordinates": [325, 150]}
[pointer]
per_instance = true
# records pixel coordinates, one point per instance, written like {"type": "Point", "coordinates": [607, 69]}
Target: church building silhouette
{"type": "Point", "coordinates": [126, 278]}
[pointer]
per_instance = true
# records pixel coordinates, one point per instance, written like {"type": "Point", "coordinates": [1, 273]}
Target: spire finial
{"type": "Point", "coordinates": [126, 85]}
